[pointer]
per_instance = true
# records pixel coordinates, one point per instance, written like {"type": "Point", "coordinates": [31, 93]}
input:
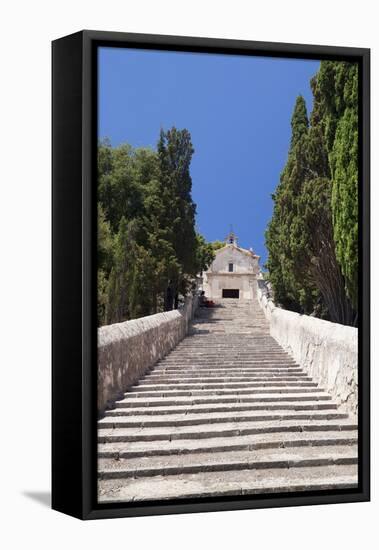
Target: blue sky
{"type": "Point", "coordinates": [238, 110]}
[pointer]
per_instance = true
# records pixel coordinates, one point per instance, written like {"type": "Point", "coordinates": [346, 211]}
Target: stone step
{"type": "Point", "coordinates": [200, 342]}
{"type": "Point", "coordinates": [264, 340]}
{"type": "Point", "coordinates": [232, 369]}
{"type": "Point", "coordinates": [130, 401]}
{"type": "Point", "coordinates": [225, 340]}
{"type": "Point", "coordinates": [228, 411]}
{"type": "Point", "coordinates": [188, 378]}
{"type": "Point", "coordinates": [241, 342]}
{"type": "Point", "coordinates": [222, 364]}
{"type": "Point", "coordinates": [206, 372]}
{"type": "Point", "coordinates": [204, 345]}
{"type": "Point", "coordinates": [230, 349]}
{"type": "Point", "coordinates": [216, 418]}
{"type": "Point", "coordinates": [255, 381]}
{"type": "Point", "coordinates": [231, 483]}
{"type": "Point", "coordinates": [253, 370]}
{"type": "Point", "coordinates": [237, 315]}
{"type": "Point", "coordinates": [140, 391]}
{"type": "Point", "coordinates": [229, 352]}
{"type": "Point", "coordinates": [220, 370]}
{"type": "Point", "coordinates": [227, 364]}
{"type": "Point", "coordinates": [233, 443]}
{"type": "Point", "coordinates": [153, 385]}
{"type": "Point", "coordinates": [227, 357]}
{"type": "Point", "coordinates": [249, 377]}
{"type": "Point", "coordinates": [227, 361]}
{"type": "Point", "coordinates": [257, 365]}
{"type": "Point", "coordinates": [253, 373]}
{"type": "Point", "coordinates": [212, 337]}
{"type": "Point", "coordinates": [227, 429]}
{"type": "Point", "coordinates": [229, 373]}
{"type": "Point", "coordinates": [240, 348]}
{"type": "Point", "coordinates": [227, 461]}
{"type": "Point", "coordinates": [299, 405]}
{"type": "Point", "coordinates": [135, 392]}
{"type": "Point", "coordinates": [240, 345]}
{"type": "Point", "coordinates": [215, 355]}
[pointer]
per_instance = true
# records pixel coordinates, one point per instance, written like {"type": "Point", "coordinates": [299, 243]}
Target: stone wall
{"type": "Point", "coordinates": [215, 283]}
{"type": "Point", "coordinates": [243, 261]}
{"type": "Point", "coordinates": [245, 269]}
{"type": "Point", "coordinates": [327, 351]}
{"type": "Point", "coordinates": [127, 350]}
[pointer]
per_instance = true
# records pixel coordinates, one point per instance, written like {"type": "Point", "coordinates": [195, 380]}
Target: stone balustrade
{"type": "Point", "coordinates": [127, 350]}
{"type": "Point", "coordinates": [327, 351]}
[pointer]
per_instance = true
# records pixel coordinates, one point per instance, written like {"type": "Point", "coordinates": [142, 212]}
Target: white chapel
{"type": "Point", "coordinates": [233, 272]}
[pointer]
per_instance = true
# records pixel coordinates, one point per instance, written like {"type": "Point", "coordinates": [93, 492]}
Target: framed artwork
{"type": "Point", "coordinates": [210, 275]}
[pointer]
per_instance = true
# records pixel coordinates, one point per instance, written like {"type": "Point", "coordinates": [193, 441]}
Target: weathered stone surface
{"type": "Point", "coordinates": [227, 429]}
{"type": "Point", "coordinates": [227, 460]}
{"type": "Point", "coordinates": [327, 351]}
{"type": "Point", "coordinates": [127, 350]}
{"type": "Point", "coordinates": [231, 443]}
{"type": "Point", "coordinates": [237, 482]}
{"type": "Point", "coordinates": [227, 411]}
{"type": "Point", "coordinates": [232, 268]}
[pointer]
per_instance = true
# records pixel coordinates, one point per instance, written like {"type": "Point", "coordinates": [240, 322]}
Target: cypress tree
{"type": "Point", "coordinates": [344, 166]}
{"type": "Point", "coordinates": [290, 279]}
{"type": "Point", "coordinates": [312, 237]}
{"type": "Point", "coordinates": [335, 88]}
{"type": "Point", "coordinates": [175, 153]}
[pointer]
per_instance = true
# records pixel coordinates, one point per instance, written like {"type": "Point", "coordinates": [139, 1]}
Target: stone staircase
{"type": "Point", "coordinates": [227, 412]}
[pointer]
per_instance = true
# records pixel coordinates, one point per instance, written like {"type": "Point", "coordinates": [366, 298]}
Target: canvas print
{"type": "Point", "coordinates": [227, 275]}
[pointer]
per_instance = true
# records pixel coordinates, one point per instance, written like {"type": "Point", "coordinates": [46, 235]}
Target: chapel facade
{"type": "Point", "coordinates": [233, 273]}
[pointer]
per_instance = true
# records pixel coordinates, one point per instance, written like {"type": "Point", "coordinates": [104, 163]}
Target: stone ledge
{"type": "Point", "coordinates": [327, 351]}
{"type": "Point", "coordinates": [127, 350]}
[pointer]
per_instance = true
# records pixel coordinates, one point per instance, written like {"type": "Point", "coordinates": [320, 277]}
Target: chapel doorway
{"type": "Point", "coordinates": [230, 293]}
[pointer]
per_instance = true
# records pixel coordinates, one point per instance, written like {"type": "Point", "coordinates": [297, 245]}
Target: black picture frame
{"type": "Point", "coordinates": [74, 135]}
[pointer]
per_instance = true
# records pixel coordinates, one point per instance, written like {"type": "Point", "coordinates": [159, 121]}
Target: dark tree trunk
{"type": "Point", "coordinates": [169, 299]}
{"type": "Point", "coordinates": [328, 277]}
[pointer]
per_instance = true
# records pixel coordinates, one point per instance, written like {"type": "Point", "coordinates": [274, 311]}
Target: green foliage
{"type": "Point", "coordinates": [118, 305]}
{"type": "Point", "coordinates": [105, 241]}
{"type": "Point", "coordinates": [148, 249]}
{"type": "Point", "coordinates": [289, 273]}
{"type": "Point", "coordinates": [104, 257]}
{"type": "Point", "coordinates": [312, 237]}
{"type": "Point", "coordinates": [335, 88]}
{"type": "Point", "coordinates": [342, 112]}
{"type": "Point", "coordinates": [174, 154]}
{"type": "Point", "coordinates": [299, 121]}
{"type": "Point", "coordinates": [205, 253]}
{"type": "Point", "coordinates": [216, 245]}
{"type": "Point", "coordinates": [345, 200]}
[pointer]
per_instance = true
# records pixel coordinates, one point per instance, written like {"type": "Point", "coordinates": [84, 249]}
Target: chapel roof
{"type": "Point", "coordinates": [239, 248]}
